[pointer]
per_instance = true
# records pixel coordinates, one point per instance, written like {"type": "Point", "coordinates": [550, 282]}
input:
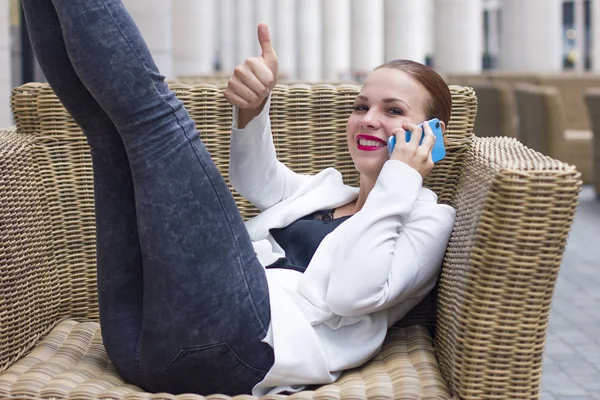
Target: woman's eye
{"type": "Point", "coordinates": [395, 111]}
{"type": "Point", "coordinates": [361, 107]}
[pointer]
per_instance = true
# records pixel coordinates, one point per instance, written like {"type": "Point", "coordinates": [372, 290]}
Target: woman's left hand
{"type": "Point", "coordinates": [415, 156]}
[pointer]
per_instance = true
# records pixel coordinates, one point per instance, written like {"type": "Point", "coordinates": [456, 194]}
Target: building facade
{"type": "Point", "coordinates": [341, 40]}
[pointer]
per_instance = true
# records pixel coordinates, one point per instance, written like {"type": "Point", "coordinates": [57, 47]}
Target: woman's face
{"type": "Point", "coordinates": [389, 98]}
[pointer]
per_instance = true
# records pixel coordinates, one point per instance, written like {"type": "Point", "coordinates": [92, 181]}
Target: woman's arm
{"type": "Point", "coordinates": [394, 247]}
{"type": "Point", "coordinates": [254, 170]}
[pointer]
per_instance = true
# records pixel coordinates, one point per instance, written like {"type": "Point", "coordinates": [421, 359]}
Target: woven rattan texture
{"type": "Point", "coordinates": [514, 211]}
{"type": "Point", "coordinates": [29, 281]}
{"type": "Point", "coordinates": [71, 363]}
{"type": "Point", "coordinates": [66, 172]}
{"type": "Point", "coordinates": [24, 107]}
{"type": "Point", "coordinates": [592, 100]}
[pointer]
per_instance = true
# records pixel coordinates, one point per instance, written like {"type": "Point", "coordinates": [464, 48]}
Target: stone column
{"type": "Point", "coordinates": [247, 39]}
{"type": "Point", "coordinates": [595, 34]}
{"type": "Point", "coordinates": [458, 40]}
{"type": "Point", "coordinates": [227, 50]}
{"type": "Point", "coordinates": [284, 38]}
{"type": "Point", "coordinates": [405, 30]}
{"type": "Point", "coordinates": [194, 36]}
{"type": "Point", "coordinates": [5, 65]}
{"type": "Point", "coordinates": [367, 37]}
{"type": "Point", "coordinates": [429, 34]}
{"type": "Point", "coordinates": [309, 40]}
{"type": "Point", "coordinates": [154, 19]}
{"type": "Point", "coordinates": [336, 40]}
{"type": "Point", "coordinates": [531, 38]}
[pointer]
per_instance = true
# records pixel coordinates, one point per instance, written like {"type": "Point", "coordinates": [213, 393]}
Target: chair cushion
{"type": "Point", "coordinates": [580, 152]}
{"type": "Point", "coordinates": [71, 363]}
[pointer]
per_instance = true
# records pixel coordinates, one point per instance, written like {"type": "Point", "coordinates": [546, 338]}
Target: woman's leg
{"type": "Point", "coordinates": [117, 244]}
{"type": "Point", "coordinates": [205, 296]}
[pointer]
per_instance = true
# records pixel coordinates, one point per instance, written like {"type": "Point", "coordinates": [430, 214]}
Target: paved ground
{"type": "Point", "coordinates": [572, 358]}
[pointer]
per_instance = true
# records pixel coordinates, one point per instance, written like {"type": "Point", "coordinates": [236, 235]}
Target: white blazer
{"type": "Point", "coordinates": [364, 277]}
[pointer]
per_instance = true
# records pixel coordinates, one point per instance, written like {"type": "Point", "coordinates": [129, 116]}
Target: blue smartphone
{"type": "Point", "coordinates": [438, 152]}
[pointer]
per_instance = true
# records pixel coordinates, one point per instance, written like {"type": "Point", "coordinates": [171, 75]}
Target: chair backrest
{"type": "Point", "coordinates": [592, 100]}
{"type": "Point", "coordinates": [513, 78]}
{"type": "Point", "coordinates": [571, 89]}
{"type": "Point", "coordinates": [496, 111]}
{"type": "Point", "coordinates": [309, 133]}
{"type": "Point", "coordinates": [541, 119]}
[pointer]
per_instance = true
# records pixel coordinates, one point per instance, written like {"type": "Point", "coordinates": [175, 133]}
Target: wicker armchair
{"type": "Point", "coordinates": [496, 109]}
{"type": "Point", "coordinates": [542, 126]}
{"type": "Point", "coordinates": [481, 336]}
{"type": "Point", "coordinates": [592, 100]}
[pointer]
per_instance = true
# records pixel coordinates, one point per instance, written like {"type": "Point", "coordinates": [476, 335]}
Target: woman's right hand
{"type": "Point", "coordinates": [252, 81]}
{"type": "Point", "coordinates": [415, 156]}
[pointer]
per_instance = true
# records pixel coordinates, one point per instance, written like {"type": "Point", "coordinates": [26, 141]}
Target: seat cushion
{"type": "Point", "coordinates": [579, 149]}
{"type": "Point", "coordinates": [71, 363]}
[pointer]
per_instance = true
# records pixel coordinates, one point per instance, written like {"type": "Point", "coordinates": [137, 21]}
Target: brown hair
{"type": "Point", "coordinates": [439, 104]}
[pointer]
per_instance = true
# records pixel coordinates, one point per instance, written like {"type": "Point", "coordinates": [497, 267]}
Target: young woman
{"type": "Point", "coordinates": [192, 299]}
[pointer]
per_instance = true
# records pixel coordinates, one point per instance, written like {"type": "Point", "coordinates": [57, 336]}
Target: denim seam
{"type": "Point", "coordinates": [253, 370]}
{"type": "Point", "coordinates": [265, 328]}
{"type": "Point", "coordinates": [138, 366]}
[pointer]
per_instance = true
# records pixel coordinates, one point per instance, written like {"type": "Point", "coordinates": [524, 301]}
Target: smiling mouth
{"type": "Point", "coordinates": [369, 143]}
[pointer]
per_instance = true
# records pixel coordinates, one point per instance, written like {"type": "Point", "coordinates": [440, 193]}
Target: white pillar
{"type": "Point", "coordinates": [154, 18]}
{"type": "Point", "coordinates": [227, 35]}
{"type": "Point", "coordinates": [309, 40]}
{"type": "Point", "coordinates": [458, 36]}
{"type": "Point", "coordinates": [284, 39]}
{"type": "Point", "coordinates": [336, 40]}
{"type": "Point", "coordinates": [595, 36]}
{"type": "Point", "coordinates": [404, 33]}
{"type": "Point", "coordinates": [194, 36]}
{"type": "Point", "coordinates": [5, 65]}
{"type": "Point", "coordinates": [247, 38]}
{"type": "Point", "coordinates": [367, 37]}
{"type": "Point", "coordinates": [531, 38]}
{"type": "Point", "coordinates": [429, 34]}
{"type": "Point", "coordinates": [580, 35]}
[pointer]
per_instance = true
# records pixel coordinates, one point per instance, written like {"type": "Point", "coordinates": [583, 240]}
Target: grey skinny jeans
{"type": "Point", "coordinates": [183, 300]}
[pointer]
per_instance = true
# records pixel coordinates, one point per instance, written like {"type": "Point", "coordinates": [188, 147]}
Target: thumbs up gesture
{"type": "Point", "coordinates": [252, 81]}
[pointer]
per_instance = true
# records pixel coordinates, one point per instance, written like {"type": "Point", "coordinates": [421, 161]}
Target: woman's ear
{"type": "Point", "coordinates": [443, 126]}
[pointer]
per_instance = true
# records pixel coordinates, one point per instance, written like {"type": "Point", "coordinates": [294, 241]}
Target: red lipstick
{"type": "Point", "coordinates": [369, 148]}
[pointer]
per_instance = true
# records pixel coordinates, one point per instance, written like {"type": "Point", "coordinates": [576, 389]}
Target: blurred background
{"type": "Point", "coordinates": [341, 40]}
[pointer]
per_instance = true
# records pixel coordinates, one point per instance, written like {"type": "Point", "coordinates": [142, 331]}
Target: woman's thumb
{"type": "Point", "coordinates": [266, 45]}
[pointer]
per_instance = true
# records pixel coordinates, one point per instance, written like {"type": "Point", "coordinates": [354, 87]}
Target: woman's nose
{"type": "Point", "coordinates": [370, 120]}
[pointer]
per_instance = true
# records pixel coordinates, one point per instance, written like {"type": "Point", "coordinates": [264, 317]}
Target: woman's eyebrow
{"type": "Point", "coordinates": [393, 100]}
{"type": "Point", "coordinates": [387, 100]}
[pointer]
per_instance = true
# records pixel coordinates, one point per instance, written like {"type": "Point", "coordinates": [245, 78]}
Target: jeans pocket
{"type": "Point", "coordinates": [207, 370]}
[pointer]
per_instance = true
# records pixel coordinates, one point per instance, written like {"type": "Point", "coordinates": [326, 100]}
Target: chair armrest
{"type": "Point", "coordinates": [514, 208]}
{"type": "Point", "coordinates": [28, 281]}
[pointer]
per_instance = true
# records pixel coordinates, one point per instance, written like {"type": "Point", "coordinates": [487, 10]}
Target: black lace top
{"type": "Point", "coordinates": [301, 238]}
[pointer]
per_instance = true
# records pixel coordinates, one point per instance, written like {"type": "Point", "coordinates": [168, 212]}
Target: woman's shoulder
{"type": "Point", "coordinates": [427, 202]}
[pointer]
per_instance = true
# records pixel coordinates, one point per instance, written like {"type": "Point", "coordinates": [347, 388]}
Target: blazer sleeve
{"type": "Point", "coordinates": [393, 248]}
{"type": "Point", "coordinates": [254, 170]}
